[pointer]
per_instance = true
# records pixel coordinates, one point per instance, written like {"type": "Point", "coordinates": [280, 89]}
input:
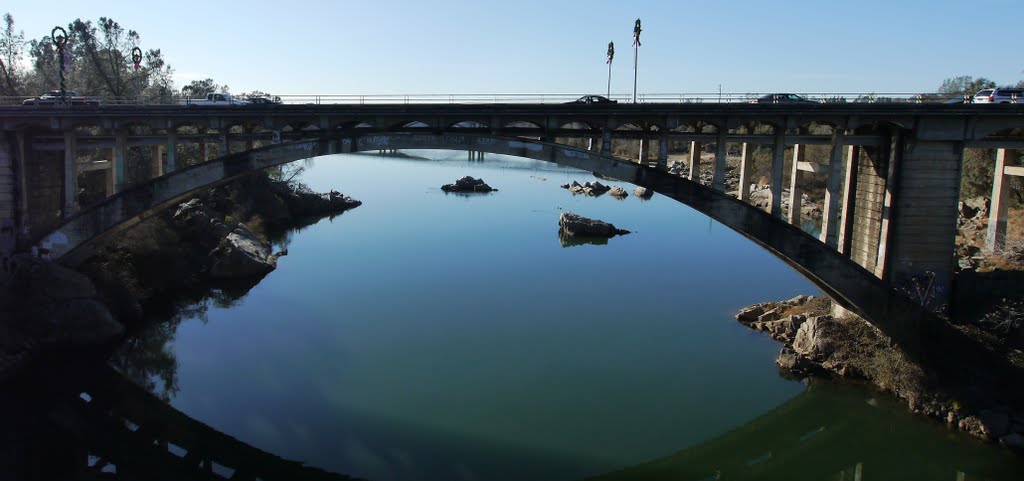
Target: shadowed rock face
{"type": "Point", "coordinates": [468, 184]}
{"type": "Point", "coordinates": [575, 225]}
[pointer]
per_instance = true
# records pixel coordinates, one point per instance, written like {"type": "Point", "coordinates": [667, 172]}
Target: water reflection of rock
{"type": "Point", "coordinates": [831, 432]}
{"type": "Point", "coordinates": [567, 240]}
{"type": "Point", "coordinates": [574, 230]}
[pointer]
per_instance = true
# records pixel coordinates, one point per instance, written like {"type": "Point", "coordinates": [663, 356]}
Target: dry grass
{"type": "Point", "coordinates": [817, 306]}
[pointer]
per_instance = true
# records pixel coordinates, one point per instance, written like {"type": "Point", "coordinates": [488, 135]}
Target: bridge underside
{"type": "Point", "coordinates": [850, 284]}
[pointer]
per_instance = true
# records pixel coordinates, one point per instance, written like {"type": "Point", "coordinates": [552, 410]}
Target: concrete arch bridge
{"type": "Point", "coordinates": [891, 172]}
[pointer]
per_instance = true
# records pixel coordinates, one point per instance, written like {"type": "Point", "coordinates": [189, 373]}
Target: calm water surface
{"type": "Point", "coordinates": [437, 336]}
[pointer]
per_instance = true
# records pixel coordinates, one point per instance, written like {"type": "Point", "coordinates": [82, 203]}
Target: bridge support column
{"type": "Point", "coordinates": [21, 172]}
{"type": "Point", "coordinates": [663, 152]}
{"type": "Point", "coordinates": [778, 170]}
{"type": "Point", "coordinates": [695, 148]}
{"type": "Point", "coordinates": [120, 157]}
{"type": "Point", "coordinates": [795, 196]}
{"type": "Point", "coordinates": [995, 238]}
{"type": "Point", "coordinates": [156, 161]}
{"type": "Point", "coordinates": [606, 142]}
{"type": "Point", "coordinates": [225, 144]}
{"type": "Point", "coordinates": [718, 183]}
{"type": "Point", "coordinates": [8, 203]}
{"type": "Point", "coordinates": [110, 178]}
{"type": "Point", "coordinates": [70, 173]}
{"type": "Point", "coordinates": [922, 235]}
{"type": "Point", "coordinates": [830, 210]}
{"type": "Point", "coordinates": [172, 148]}
{"type": "Point", "coordinates": [204, 153]}
{"type": "Point", "coordinates": [848, 214]}
{"type": "Point", "coordinates": [746, 167]}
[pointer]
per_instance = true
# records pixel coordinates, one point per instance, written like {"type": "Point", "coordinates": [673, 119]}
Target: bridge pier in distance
{"type": "Point", "coordinates": [995, 238]}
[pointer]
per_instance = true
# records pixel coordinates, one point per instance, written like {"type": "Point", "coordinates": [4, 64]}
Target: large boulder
{"type": "Point", "coordinates": [241, 254]}
{"type": "Point", "coordinates": [576, 225]}
{"type": "Point", "coordinates": [468, 184]}
{"type": "Point", "coordinates": [618, 192]}
{"type": "Point", "coordinates": [588, 188]}
{"type": "Point", "coordinates": [816, 338]}
{"type": "Point", "coordinates": [643, 192]}
{"type": "Point", "coordinates": [54, 305]}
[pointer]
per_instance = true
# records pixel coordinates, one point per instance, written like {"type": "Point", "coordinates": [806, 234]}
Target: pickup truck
{"type": "Point", "coordinates": [213, 99]}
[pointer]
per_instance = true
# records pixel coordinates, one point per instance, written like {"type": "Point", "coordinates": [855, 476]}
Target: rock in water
{"type": "Point", "coordinates": [577, 225]}
{"type": "Point", "coordinates": [643, 192]}
{"type": "Point", "coordinates": [241, 254]}
{"type": "Point", "coordinates": [468, 184]}
{"type": "Point", "coordinates": [618, 192]}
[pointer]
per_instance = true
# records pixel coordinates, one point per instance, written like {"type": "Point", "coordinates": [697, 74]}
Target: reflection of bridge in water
{"type": "Point", "coordinates": [93, 423]}
{"type": "Point", "coordinates": [97, 424]}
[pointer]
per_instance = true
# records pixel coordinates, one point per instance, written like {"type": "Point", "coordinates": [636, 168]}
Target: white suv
{"type": "Point", "coordinates": [1000, 95]}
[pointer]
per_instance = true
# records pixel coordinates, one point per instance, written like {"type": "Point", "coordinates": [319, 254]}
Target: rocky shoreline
{"type": "Point", "coordinates": [223, 235]}
{"type": "Point", "coordinates": [818, 343]}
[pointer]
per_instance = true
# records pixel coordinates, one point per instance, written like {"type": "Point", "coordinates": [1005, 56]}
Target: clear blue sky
{"type": "Point", "coordinates": [558, 46]}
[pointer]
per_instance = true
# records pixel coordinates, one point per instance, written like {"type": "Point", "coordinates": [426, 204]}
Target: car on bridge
{"type": "Point", "coordinates": [263, 101]}
{"type": "Point", "coordinates": [53, 97]}
{"type": "Point", "coordinates": [593, 99]}
{"type": "Point", "coordinates": [783, 99]}
{"type": "Point", "coordinates": [999, 95]}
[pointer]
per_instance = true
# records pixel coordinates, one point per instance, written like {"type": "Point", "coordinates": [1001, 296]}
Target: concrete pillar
{"type": "Point", "coordinates": [795, 196]}
{"type": "Point", "coordinates": [70, 174]}
{"type": "Point", "coordinates": [778, 166]}
{"type": "Point", "coordinates": [849, 209]}
{"type": "Point", "coordinates": [156, 161]}
{"type": "Point", "coordinates": [172, 151]}
{"type": "Point", "coordinates": [995, 238]}
{"type": "Point", "coordinates": [590, 144]}
{"type": "Point", "coordinates": [225, 144]}
{"type": "Point", "coordinates": [746, 171]}
{"type": "Point", "coordinates": [663, 151]}
{"type": "Point", "coordinates": [718, 181]}
{"type": "Point", "coordinates": [923, 235]}
{"type": "Point", "coordinates": [111, 181]}
{"type": "Point", "coordinates": [606, 142]}
{"type": "Point", "coordinates": [642, 157]}
{"type": "Point", "coordinates": [120, 158]}
{"type": "Point", "coordinates": [695, 148]}
{"type": "Point", "coordinates": [21, 173]}
{"type": "Point", "coordinates": [830, 210]}
{"type": "Point", "coordinates": [895, 147]}
{"type": "Point", "coordinates": [203, 152]}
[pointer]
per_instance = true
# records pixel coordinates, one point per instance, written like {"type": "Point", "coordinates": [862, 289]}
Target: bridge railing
{"type": "Point", "coordinates": [547, 98]}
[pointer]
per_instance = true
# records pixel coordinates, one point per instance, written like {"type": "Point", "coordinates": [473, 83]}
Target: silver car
{"type": "Point", "coordinates": [1000, 95]}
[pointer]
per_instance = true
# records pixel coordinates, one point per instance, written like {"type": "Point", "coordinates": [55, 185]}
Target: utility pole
{"type": "Point", "coordinates": [636, 53]}
{"type": "Point", "coordinates": [611, 56]}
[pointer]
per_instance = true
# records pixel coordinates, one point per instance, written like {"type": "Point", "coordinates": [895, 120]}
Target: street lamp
{"type": "Point", "coordinates": [636, 53]}
{"type": "Point", "coordinates": [60, 38]}
{"type": "Point", "coordinates": [611, 56]}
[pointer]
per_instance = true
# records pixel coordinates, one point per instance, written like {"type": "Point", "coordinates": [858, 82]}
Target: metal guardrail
{"type": "Point", "coordinates": [548, 98]}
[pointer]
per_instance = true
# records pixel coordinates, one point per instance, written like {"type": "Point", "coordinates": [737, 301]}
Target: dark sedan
{"type": "Point", "coordinates": [782, 99]}
{"type": "Point", "coordinates": [593, 99]}
{"type": "Point", "coordinates": [54, 97]}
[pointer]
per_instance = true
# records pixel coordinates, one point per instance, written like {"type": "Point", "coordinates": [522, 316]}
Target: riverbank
{"type": "Point", "coordinates": [819, 341]}
{"type": "Point", "coordinates": [225, 237]}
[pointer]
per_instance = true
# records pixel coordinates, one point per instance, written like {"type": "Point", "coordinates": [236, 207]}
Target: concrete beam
{"type": "Point", "coordinates": [718, 181]}
{"type": "Point", "coordinates": [120, 157]}
{"type": "Point", "coordinates": [695, 149]}
{"type": "Point", "coordinates": [1013, 171]}
{"type": "Point", "coordinates": [746, 171]}
{"type": "Point", "coordinates": [778, 166]}
{"type": "Point", "coordinates": [70, 174]}
{"type": "Point", "coordinates": [847, 217]}
{"type": "Point", "coordinates": [795, 196]}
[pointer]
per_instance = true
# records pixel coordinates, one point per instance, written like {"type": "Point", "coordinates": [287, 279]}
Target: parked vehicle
{"type": "Point", "coordinates": [593, 99]}
{"type": "Point", "coordinates": [53, 97]}
{"type": "Point", "coordinates": [214, 99]}
{"type": "Point", "coordinates": [999, 95]}
{"type": "Point", "coordinates": [782, 99]}
{"type": "Point", "coordinates": [263, 101]}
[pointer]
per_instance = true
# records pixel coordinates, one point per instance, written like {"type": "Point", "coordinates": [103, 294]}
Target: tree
{"type": "Point", "coordinates": [199, 88]}
{"type": "Point", "coordinates": [104, 62]}
{"type": "Point", "coordinates": [12, 47]}
{"type": "Point", "coordinates": [964, 85]}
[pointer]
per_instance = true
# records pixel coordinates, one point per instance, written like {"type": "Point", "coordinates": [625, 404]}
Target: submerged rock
{"type": "Point", "coordinates": [576, 225]}
{"type": "Point", "coordinates": [588, 188]}
{"type": "Point", "coordinates": [643, 192]}
{"type": "Point", "coordinates": [468, 184]}
{"type": "Point", "coordinates": [618, 192]}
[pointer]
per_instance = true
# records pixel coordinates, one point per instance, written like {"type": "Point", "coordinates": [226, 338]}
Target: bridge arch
{"type": "Point", "coordinates": [845, 281]}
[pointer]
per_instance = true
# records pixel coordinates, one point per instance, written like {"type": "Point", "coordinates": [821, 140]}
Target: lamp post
{"type": "Point", "coordinates": [60, 38]}
{"type": "Point", "coordinates": [611, 56]}
{"type": "Point", "coordinates": [636, 53]}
